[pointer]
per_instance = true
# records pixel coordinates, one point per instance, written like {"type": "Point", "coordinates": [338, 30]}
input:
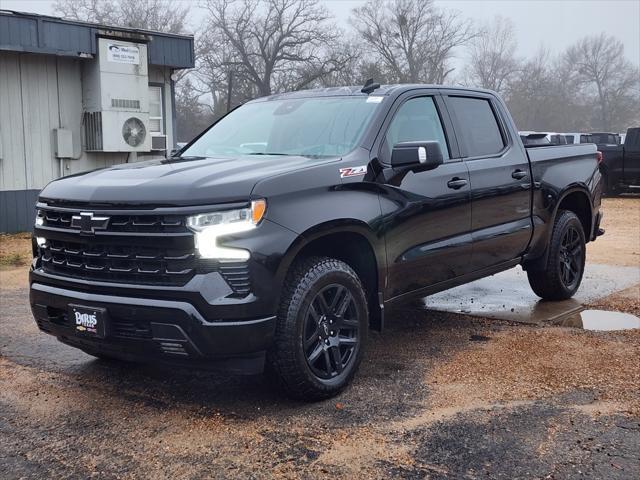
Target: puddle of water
{"type": "Point", "coordinates": [601, 320]}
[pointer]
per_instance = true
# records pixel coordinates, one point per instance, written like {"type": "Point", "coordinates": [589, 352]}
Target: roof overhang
{"type": "Point", "coordinates": [27, 32]}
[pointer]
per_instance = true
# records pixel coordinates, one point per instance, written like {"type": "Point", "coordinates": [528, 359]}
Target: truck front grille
{"type": "Point", "coordinates": [93, 260]}
{"type": "Point", "coordinates": [130, 248]}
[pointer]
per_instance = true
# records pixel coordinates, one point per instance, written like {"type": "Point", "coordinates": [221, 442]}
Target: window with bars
{"type": "Point", "coordinates": [156, 112]}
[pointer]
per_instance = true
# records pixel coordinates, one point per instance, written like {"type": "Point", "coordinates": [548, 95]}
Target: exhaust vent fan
{"type": "Point", "coordinates": [133, 131]}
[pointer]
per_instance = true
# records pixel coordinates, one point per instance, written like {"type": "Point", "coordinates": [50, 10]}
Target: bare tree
{"type": "Point", "coordinates": [273, 45]}
{"type": "Point", "coordinates": [159, 15]}
{"type": "Point", "coordinates": [601, 69]}
{"type": "Point", "coordinates": [412, 39]}
{"type": "Point", "coordinates": [492, 61]}
{"type": "Point", "coordinates": [192, 116]}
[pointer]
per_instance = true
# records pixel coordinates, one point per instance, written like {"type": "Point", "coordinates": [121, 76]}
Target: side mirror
{"type": "Point", "coordinates": [426, 155]}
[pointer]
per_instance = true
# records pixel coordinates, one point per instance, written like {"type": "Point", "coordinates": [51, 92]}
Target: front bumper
{"type": "Point", "coordinates": [152, 329]}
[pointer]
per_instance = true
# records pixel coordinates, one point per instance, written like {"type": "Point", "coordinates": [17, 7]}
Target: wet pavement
{"type": "Point", "coordinates": [600, 321]}
{"type": "Point", "coordinates": [66, 415]}
{"type": "Point", "coordinates": [507, 295]}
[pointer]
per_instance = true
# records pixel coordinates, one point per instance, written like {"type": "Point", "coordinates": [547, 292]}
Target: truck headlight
{"type": "Point", "coordinates": [208, 227]}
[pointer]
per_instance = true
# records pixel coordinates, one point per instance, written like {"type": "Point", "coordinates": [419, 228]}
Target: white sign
{"type": "Point", "coordinates": [119, 53]}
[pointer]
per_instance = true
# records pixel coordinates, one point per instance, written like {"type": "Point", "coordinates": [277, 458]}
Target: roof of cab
{"type": "Point", "coordinates": [383, 90]}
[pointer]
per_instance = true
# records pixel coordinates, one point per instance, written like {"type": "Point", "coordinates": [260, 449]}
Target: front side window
{"type": "Point", "coordinates": [311, 127]}
{"type": "Point", "coordinates": [156, 120]}
{"type": "Point", "coordinates": [478, 125]}
{"type": "Point", "coordinates": [417, 120]}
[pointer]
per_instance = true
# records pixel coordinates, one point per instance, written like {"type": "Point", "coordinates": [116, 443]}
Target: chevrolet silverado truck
{"type": "Point", "coordinates": [620, 165]}
{"type": "Point", "coordinates": [283, 233]}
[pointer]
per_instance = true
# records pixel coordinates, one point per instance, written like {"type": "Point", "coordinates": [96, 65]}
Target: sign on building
{"type": "Point", "coordinates": [123, 54]}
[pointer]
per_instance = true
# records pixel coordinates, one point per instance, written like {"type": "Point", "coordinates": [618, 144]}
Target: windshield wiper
{"type": "Point", "coordinates": [187, 157]}
{"type": "Point", "coordinates": [264, 153]}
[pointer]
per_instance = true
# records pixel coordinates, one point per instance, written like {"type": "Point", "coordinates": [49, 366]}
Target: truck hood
{"type": "Point", "coordinates": [198, 181]}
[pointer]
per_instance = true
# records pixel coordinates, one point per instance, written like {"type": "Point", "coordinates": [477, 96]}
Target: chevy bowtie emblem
{"type": "Point", "coordinates": [87, 223]}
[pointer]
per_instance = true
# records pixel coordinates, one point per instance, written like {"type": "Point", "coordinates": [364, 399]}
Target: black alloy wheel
{"type": "Point", "coordinates": [331, 331]}
{"type": "Point", "coordinates": [571, 253]}
{"type": "Point", "coordinates": [321, 329]}
{"type": "Point", "coordinates": [559, 276]}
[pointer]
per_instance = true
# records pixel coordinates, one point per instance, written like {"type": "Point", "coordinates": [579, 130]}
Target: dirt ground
{"type": "Point", "coordinates": [438, 396]}
{"type": "Point", "coordinates": [620, 245]}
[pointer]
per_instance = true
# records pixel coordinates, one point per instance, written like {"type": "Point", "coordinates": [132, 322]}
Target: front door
{"type": "Point", "coordinates": [426, 214]}
{"type": "Point", "coordinates": [500, 179]}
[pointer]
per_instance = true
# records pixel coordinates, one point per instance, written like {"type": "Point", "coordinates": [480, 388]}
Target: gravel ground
{"type": "Point", "coordinates": [438, 396]}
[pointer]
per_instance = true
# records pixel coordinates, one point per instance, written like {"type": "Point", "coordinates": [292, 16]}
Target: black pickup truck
{"type": "Point", "coordinates": [281, 235]}
{"type": "Point", "coordinates": [620, 163]}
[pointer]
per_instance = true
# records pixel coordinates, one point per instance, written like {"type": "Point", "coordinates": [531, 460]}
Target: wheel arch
{"type": "Point", "coordinates": [351, 241]}
{"type": "Point", "coordinates": [577, 200]}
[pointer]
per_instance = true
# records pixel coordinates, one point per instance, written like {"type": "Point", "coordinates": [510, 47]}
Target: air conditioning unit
{"type": "Point", "coordinates": [158, 142]}
{"type": "Point", "coordinates": [115, 91]}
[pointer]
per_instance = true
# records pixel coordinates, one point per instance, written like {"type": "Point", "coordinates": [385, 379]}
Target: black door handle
{"type": "Point", "coordinates": [518, 174]}
{"type": "Point", "coordinates": [456, 183]}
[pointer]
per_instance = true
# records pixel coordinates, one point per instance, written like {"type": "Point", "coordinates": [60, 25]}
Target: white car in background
{"type": "Point", "coordinates": [554, 138]}
{"type": "Point", "coordinates": [574, 138]}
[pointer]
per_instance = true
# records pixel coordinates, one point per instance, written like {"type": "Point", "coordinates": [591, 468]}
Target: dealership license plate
{"type": "Point", "coordinates": [90, 321]}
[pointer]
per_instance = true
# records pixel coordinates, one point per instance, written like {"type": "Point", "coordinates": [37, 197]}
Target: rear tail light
{"type": "Point", "coordinates": [599, 156]}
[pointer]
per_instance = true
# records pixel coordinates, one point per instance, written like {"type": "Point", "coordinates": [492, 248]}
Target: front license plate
{"type": "Point", "coordinates": [90, 321]}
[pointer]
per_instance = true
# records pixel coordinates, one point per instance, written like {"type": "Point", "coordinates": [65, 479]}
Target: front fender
{"type": "Point", "coordinates": [336, 226]}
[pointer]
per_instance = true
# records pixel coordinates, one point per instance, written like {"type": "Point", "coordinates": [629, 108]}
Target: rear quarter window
{"type": "Point", "coordinates": [478, 124]}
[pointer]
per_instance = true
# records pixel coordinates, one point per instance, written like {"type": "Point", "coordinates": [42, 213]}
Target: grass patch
{"type": "Point", "coordinates": [13, 260]}
{"type": "Point", "coordinates": [15, 250]}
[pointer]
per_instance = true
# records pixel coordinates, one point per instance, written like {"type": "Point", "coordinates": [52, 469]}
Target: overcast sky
{"type": "Point", "coordinates": [555, 24]}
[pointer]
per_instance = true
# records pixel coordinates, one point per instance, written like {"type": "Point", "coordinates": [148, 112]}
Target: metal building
{"type": "Point", "coordinates": [78, 96]}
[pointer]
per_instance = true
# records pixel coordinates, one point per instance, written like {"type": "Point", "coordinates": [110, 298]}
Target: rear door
{"type": "Point", "coordinates": [426, 214]}
{"type": "Point", "coordinates": [499, 172]}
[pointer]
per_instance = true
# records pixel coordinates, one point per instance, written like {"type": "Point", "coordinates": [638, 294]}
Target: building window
{"type": "Point", "coordinates": [156, 113]}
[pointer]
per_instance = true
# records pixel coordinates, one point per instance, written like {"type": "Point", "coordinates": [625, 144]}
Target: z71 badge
{"type": "Point", "coordinates": [353, 171]}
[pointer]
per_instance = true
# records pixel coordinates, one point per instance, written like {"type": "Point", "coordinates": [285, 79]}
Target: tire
{"type": "Point", "coordinates": [562, 274]}
{"type": "Point", "coordinates": [312, 358]}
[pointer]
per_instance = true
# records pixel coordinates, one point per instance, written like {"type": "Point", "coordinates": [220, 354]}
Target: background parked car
{"type": "Point", "coordinates": [620, 165]}
{"type": "Point", "coordinates": [575, 138]}
{"type": "Point", "coordinates": [553, 138]}
{"type": "Point", "coordinates": [605, 138]}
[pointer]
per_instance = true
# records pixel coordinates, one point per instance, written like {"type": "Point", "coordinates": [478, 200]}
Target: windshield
{"type": "Point", "coordinates": [313, 127]}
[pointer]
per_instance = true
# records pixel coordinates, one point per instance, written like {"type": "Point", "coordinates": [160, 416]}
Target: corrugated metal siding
{"type": "Point", "coordinates": [40, 116]}
{"type": "Point", "coordinates": [12, 162]}
{"type": "Point", "coordinates": [167, 51]}
{"type": "Point", "coordinates": [17, 210]}
{"type": "Point", "coordinates": [68, 37]}
{"type": "Point", "coordinates": [39, 34]}
{"type": "Point", "coordinates": [18, 32]}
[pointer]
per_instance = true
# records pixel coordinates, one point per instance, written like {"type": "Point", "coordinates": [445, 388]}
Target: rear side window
{"type": "Point", "coordinates": [480, 130]}
{"type": "Point", "coordinates": [417, 120]}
